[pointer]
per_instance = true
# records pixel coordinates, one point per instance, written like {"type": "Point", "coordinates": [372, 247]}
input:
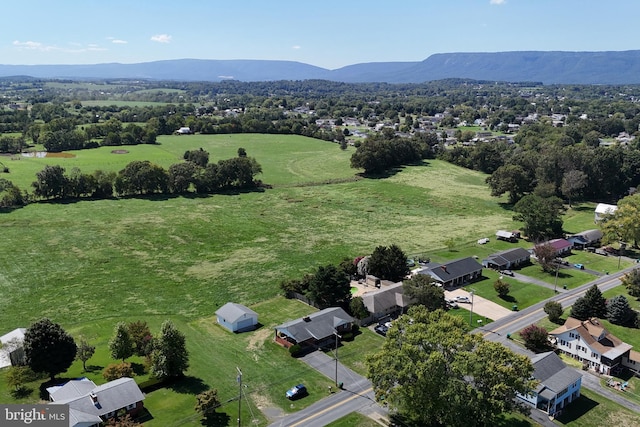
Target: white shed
{"type": "Point", "coordinates": [603, 209]}
{"type": "Point", "coordinates": [237, 317]}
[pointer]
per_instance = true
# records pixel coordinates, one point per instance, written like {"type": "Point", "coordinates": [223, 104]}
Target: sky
{"type": "Point", "coordinates": [329, 34]}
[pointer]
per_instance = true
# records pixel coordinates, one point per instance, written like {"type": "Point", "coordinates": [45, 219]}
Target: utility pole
{"type": "Point", "coordinates": [471, 311]}
{"type": "Point", "coordinates": [335, 332]}
{"type": "Point", "coordinates": [239, 379]}
{"type": "Point", "coordinates": [555, 284]}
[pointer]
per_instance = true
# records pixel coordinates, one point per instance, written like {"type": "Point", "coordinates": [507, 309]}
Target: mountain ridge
{"type": "Point", "coordinates": [548, 67]}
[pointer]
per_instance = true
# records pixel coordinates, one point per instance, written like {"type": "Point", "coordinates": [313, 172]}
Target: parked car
{"type": "Point", "coordinates": [296, 391]}
{"type": "Point", "coordinates": [463, 299]}
{"type": "Point", "coordinates": [381, 329]}
{"type": "Point", "coordinates": [451, 303]}
{"type": "Point", "coordinates": [507, 272]}
{"type": "Point", "coordinates": [561, 261]}
{"type": "Point", "coordinates": [579, 266]}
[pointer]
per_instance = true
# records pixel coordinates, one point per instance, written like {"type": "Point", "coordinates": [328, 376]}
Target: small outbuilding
{"type": "Point", "coordinates": [11, 348]}
{"type": "Point", "coordinates": [603, 210]}
{"type": "Point", "coordinates": [237, 317]}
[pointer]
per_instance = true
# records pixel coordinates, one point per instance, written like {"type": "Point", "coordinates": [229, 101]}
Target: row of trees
{"type": "Point", "coordinates": [49, 349]}
{"type": "Point", "coordinates": [384, 151]}
{"type": "Point", "coordinates": [142, 177]}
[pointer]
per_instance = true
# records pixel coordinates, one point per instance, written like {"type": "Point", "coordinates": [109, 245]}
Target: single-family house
{"type": "Point", "coordinates": [316, 330]}
{"type": "Point", "coordinates": [589, 342]}
{"type": "Point", "coordinates": [237, 317]}
{"type": "Point", "coordinates": [11, 348]}
{"type": "Point", "coordinates": [387, 300]}
{"type": "Point", "coordinates": [602, 210]}
{"type": "Point", "coordinates": [560, 246]}
{"type": "Point", "coordinates": [509, 259]}
{"type": "Point", "coordinates": [91, 405]}
{"type": "Point", "coordinates": [557, 384]}
{"type": "Point", "coordinates": [453, 273]}
{"type": "Point", "coordinates": [509, 236]}
{"type": "Point", "coordinates": [586, 238]}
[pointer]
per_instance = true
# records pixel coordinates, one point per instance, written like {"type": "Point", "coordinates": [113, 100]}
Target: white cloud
{"type": "Point", "coordinates": [31, 45]}
{"type": "Point", "coordinates": [296, 47]}
{"type": "Point", "coordinates": [118, 41]}
{"type": "Point", "coordinates": [75, 47]}
{"type": "Point", "coordinates": [161, 38]}
{"type": "Point", "coordinates": [497, 2]}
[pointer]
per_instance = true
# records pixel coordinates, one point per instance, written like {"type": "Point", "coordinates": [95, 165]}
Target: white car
{"type": "Point", "coordinates": [463, 299]}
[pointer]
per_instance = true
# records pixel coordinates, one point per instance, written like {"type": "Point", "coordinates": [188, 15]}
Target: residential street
{"type": "Point", "coordinates": [357, 394]}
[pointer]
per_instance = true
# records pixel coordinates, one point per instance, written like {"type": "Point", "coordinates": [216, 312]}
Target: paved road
{"type": "Point", "coordinates": [498, 330]}
{"type": "Point", "coordinates": [355, 396]}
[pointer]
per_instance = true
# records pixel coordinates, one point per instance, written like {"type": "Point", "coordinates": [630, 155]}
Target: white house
{"type": "Point", "coordinates": [602, 210]}
{"type": "Point", "coordinates": [589, 342]}
{"type": "Point", "coordinates": [558, 384]}
{"type": "Point", "coordinates": [11, 350]}
{"type": "Point", "coordinates": [237, 317]}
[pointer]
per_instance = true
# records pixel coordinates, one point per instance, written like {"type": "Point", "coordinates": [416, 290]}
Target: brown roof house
{"type": "Point", "coordinates": [589, 342]}
{"type": "Point", "coordinates": [316, 330]}
{"type": "Point", "coordinates": [388, 299]}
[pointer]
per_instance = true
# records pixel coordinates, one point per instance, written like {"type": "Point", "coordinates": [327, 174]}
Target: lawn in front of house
{"type": "Point", "coordinates": [569, 277]}
{"type": "Point", "coordinates": [593, 410]}
{"type": "Point", "coordinates": [214, 356]}
{"type": "Point", "coordinates": [521, 294]}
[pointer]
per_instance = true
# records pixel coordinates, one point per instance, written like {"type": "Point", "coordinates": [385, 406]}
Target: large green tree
{"type": "Point", "coordinates": [619, 312]}
{"type": "Point", "coordinates": [434, 373]}
{"type": "Point", "coordinates": [631, 281]}
{"type": "Point", "coordinates": [592, 304]}
{"type": "Point", "coordinates": [48, 348]}
{"type": "Point", "coordinates": [541, 216]}
{"type": "Point", "coordinates": [388, 263]}
{"type": "Point", "coordinates": [329, 287]}
{"type": "Point", "coordinates": [510, 179]}
{"type": "Point", "coordinates": [121, 345]}
{"type": "Point", "coordinates": [423, 290]}
{"type": "Point", "coordinates": [170, 357]}
{"type": "Point", "coordinates": [624, 224]}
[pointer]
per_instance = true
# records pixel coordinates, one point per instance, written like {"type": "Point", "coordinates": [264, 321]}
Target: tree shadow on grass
{"type": "Point", "coordinates": [188, 385]}
{"type": "Point", "coordinates": [21, 392]}
{"type": "Point", "coordinates": [508, 298]}
{"type": "Point", "coordinates": [94, 368]}
{"type": "Point", "coordinates": [138, 368]}
{"type": "Point", "coordinates": [577, 409]}
{"type": "Point", "coordinates": [502, 421]}
{"type": "Point", "coordinates": [217, 419]}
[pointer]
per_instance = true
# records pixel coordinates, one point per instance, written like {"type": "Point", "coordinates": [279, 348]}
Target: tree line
{"type": "Point", "coordinates": [140, 177]}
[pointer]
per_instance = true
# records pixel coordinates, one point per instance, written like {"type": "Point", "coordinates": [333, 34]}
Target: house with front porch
{"type": "Point", "coordinates": [589, 342]}
{"type": "Point", "coordinates": [557, 384]}
{"type": "Point", "coordinates": [453, 273]}
{"type": "Point", "coordinates": [586, 238]}
{"type": "Point", "coordinates": [315, 330]}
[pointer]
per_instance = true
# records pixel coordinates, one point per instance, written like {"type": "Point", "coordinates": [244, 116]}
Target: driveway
{"type": "Point", "coordinates": [481, 306]}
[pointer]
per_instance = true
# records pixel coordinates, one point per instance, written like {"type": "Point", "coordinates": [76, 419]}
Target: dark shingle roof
{"type": "Point", "coordinates": [551, 371]}
{"type": "Point", "coordinates": [508, 256]}
{"type": "Point", "coordinates": [452, 270]}
{"type": "Point", "coordinates": [319, 325]}
{"type": "Point", "coordinates": [385, 298]}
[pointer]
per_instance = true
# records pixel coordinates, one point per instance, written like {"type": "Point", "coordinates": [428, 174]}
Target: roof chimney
{"type": "Point", "coordinates": [94, 398]}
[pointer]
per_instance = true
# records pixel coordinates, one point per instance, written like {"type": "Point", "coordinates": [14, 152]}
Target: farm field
{"type": "Point", "coordinates": [88, 264]}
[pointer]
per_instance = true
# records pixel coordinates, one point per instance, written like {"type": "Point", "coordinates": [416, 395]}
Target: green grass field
{"type": "Point", "coordinates": [88, 264]}
{"type": "Point", "coordinates": [593, 410]}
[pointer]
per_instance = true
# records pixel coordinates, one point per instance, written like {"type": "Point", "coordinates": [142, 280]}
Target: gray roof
{"type": "Point", "coordinates": [588, 236]}
{"type": "Point", "coordinates": [319, 325]}
{"type": "Point", "coordinates": [111, 396]}
{"type": "Point", "coordinates": [233, 312]}
{"type": "Point", "coordinates": [551, 371]}
{"type": "Point", "coordinates": [509, 256]}
{"type": "Point", "coordinates": [452, 270]}
{"type": "Point", "coordinates": [71, 389]}
{"type": "Point", "coordinates": [385, 298]}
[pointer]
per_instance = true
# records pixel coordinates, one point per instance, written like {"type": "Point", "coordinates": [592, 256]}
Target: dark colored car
{"type": "Point", "coordinates": [296, 391]}
{"type": "Point", "coordinates": [381, 329]}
